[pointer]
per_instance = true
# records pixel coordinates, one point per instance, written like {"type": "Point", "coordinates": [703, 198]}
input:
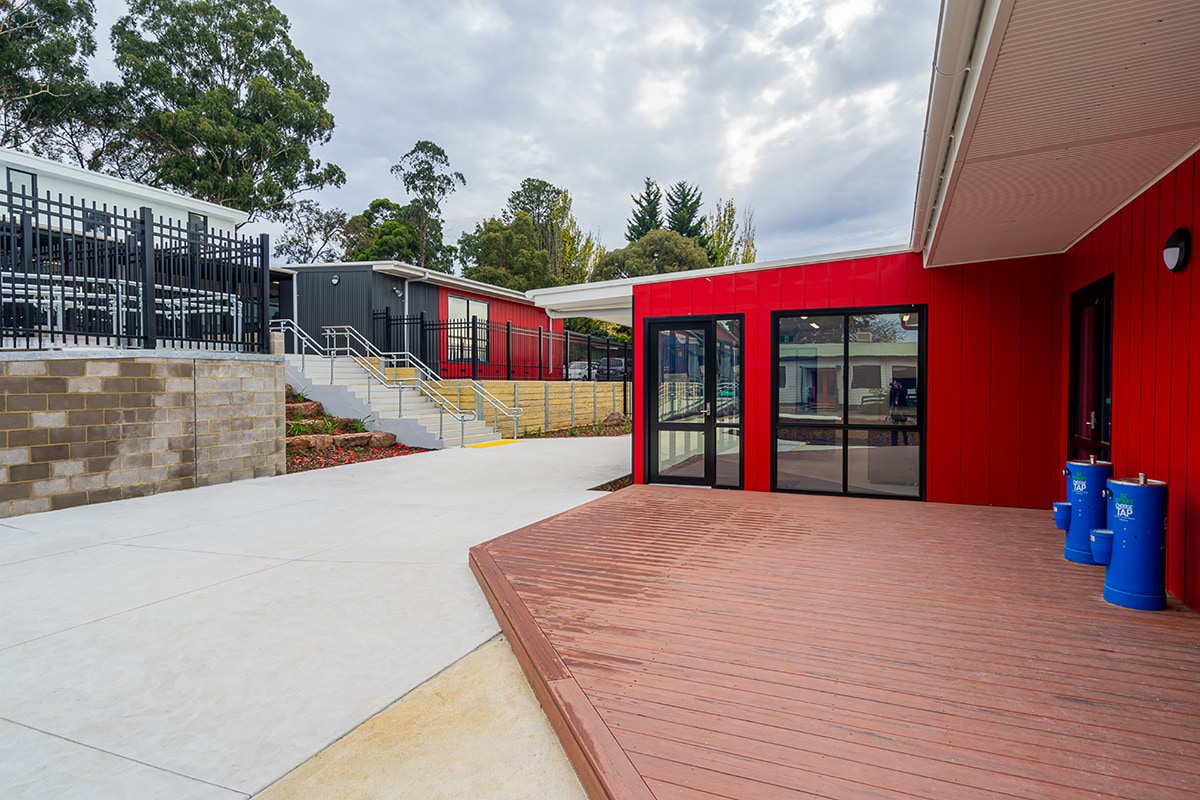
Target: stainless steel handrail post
{"type": "Point", "coordinates": [462, 430]}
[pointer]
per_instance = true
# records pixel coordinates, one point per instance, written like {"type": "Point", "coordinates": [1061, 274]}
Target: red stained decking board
{"type": "Point", "coordinates": [692, 644]}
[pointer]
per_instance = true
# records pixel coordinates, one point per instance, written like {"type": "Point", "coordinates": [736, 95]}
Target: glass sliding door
{"type": "Point", "coordinates": [848, 413]}
{"type": "Point", "coordinates": [694, 401]}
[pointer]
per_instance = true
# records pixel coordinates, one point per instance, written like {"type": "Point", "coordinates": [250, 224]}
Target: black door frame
{"type": "Point", "coordinates": [709, 427]}
{"type": "Point", "coordinates": [845, 426]}
{"type": "Point", "coordinates": [1099, 293]}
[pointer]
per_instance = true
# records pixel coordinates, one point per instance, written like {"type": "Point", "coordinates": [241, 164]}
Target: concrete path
{"type": "Point", "coordinates": [201, 644]}
{"type": "Point", "coordinates": [474, 731]}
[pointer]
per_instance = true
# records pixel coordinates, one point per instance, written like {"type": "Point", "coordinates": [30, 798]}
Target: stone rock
{"type": "Point", "coordinates": [304, 410]}
{"type": "Point", "coordinates": [353, 439]}
{"type": "Point", "coordinates": [312, 442]}
{"type": "Point", "coordinates": [382, 439]}
{"type": "Point", "coordinates": [614, 419]}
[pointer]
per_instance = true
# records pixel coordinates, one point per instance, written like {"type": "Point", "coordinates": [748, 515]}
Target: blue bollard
{"type": "Point", "coordinates": [1102, 539]}
{"type": "Point", "coordinates": [1062, 515]}
{"type": "Point", "coordinates": [1137, 514]}
{"type": "Point", "coordinates": [1085, 492]}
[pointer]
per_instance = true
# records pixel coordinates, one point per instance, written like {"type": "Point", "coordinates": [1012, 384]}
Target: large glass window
{"type": "Point", "coordinates": [848, 415]}
{"type": "Point", "coordinates": [459, 312]}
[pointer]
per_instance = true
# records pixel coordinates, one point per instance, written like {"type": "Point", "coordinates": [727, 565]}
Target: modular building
{"type": "Point", "coordinates": [1043, 309]}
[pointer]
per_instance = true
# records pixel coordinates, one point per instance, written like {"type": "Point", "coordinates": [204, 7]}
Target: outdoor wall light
{"type": "Point", "coordinates": [399, 292]}
{"type": "Point", "coordinates": [335, 280]}
{"type": "Point", "coordinates": [1177, 249]}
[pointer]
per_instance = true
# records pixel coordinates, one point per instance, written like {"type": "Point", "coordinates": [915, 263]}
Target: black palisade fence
{"type": "Point", "coordinates": [74, 273]}
{"type": "Point", "coordinates": [483, 350]}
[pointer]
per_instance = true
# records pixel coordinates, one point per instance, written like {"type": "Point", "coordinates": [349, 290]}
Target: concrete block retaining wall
{"type": "Point", "coordinates": [80, 427]}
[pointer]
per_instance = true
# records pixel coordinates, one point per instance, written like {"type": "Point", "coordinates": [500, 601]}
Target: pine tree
{"type": "Point", "coordinates": [683, 211]}
{"type": "Point", "coordinates": [647, 212]}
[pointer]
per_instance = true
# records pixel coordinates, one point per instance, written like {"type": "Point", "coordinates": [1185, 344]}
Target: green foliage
{"type": "Point", "coordinates": [44, 47]}
{"type": "Point", "coordinates": [296, 428]}
{"type": "Point", "coordinates": [326, 425]}
{"type": "Point", "coordinates": [595, 327]}
{"type": "Point", "coordinates": [655, 253]}
{"type": "Point", "coordinates": [726, 241]}
{"type": "Point", "coordinates": [357, 425]}
{"type": "Point", "coordinates": [647, 212]}
{"type": "Point", "coordinates": [683, 211]}
{"type": "Point", "coordinates": [312, 233]}
{"type": "Point", "coordinates": [506, 254]}
{"type": "Point", "coordinates": [425, 172]}
{"type": "Point", "coordinates": [384, 231]}
{"type": "Point", "coordinates": [300, 397]}
{"type": "Point", "coordinates": [228, 108]}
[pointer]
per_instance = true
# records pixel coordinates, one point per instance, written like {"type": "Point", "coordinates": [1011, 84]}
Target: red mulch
{"type": "Point", "coordinates": [338, 456]}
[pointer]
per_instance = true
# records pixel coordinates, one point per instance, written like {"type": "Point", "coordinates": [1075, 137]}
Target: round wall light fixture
{"type": "Point", "coordinates": [335, 280]}
{"type": "Point", "coordinates": [1177, 249]}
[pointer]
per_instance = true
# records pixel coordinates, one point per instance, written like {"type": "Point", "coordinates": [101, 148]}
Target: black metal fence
{"type": "Point", "coordinates": [73, 273]}
{"type": "Point", "coordinates": [482, 350]}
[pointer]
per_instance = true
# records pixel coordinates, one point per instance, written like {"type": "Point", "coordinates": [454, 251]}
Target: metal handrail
{"type": "Point", "coordinates": [330, 351]}
{"type": "Point", "coordinates": [482, 395]}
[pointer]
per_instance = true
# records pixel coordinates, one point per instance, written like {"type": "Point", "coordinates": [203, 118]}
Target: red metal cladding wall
{"type": "Point", "coordinates": [1156, 415]}
{"type": "Point", "coordinates": [991, 372]}
{"type": "Point", "coordinates": [521, 315]}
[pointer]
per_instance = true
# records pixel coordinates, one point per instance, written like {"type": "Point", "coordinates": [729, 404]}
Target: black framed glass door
{"type": "Point", "coordinates": [694, 400]}
{"type": "Point", "coordinates": [1089, 409]}
{"type": "Point", "coordinates": [849, 414]}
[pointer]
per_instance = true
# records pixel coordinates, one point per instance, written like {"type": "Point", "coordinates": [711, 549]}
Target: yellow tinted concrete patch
{"type": "Point", "coordinates": [473, 731]}
{"type": "Point", "coordinates": [496, 443]}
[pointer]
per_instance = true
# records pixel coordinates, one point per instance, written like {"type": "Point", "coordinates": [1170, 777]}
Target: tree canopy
{"type": "Point", "coordinates": [425, 172]}
{"type": "Point", "coordinates": [726, 241]}
{"type": "Point", "coordinates": [683, 211]}
{"type": "Point", "coordinates": [312, 234]}
{"type": "Point", "coordinates": [506, 254]}
{"type": "Point", "coordinates": [44, 47]}
{"type": "Point", "coordinates": [647, 212]}
{"type": "Point", "coordinates": [227, 107]}
{"type": "Point", "coordinates": [655, 253]}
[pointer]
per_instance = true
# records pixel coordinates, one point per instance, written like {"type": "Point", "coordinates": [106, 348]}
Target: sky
{"type": "Point", "coordinates": [809, 111]}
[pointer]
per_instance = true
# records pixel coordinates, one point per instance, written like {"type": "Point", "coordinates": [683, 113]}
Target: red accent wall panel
{"type": "Point", "coordinates": [500, 311]}
{"type": "Point", "coordinates": [990, 378]}
{"type": "Point", "coordinates": [1156, 419]}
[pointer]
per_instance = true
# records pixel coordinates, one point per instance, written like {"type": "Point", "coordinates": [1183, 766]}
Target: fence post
{"type": "Point", "coordinates": [264, 292]}
{"type": "Point", "coordinates": [540, 365]}
{"type": "Point", "coordinates": [149, 327]}
{"type": "Point", "coordinates": [420, 338]}
{"type": "Point", "coordinates": [508, 349]}
{"type": "Point", "coordinates": [387, 329]}
{"type": "Point", "coordinates": [572, 404]}
{"type": "Point", "coordinates": [516, 405]}
{"type": "Point", "coordinates": [594, 385]}
{"type": "Point", "coordinates": [474, 348]}
{"type": "Point", "coordinates": [591, 375]}
{"type": "Point", "coordinates": [545, 404]}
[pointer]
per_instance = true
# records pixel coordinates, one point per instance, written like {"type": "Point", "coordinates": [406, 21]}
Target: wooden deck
{"type": "Point", "coordinates": [690, 644]}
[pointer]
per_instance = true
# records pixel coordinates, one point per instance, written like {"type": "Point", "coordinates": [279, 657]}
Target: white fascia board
{"type": "Point", "coordinates": [992, 26]}
{"type": "Point", "coordinates": [119, 185]}
{"type": "Point", "coordinates": [402, 270]}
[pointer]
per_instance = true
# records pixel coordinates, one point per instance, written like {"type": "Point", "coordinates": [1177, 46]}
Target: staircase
{"type": "Point", "coordinates": [388, 403]}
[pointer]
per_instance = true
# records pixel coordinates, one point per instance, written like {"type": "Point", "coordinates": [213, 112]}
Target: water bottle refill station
{"type": "Point", "coordinates": [1119, 523]}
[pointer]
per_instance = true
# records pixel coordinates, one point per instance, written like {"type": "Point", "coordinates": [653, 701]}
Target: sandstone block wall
{"type": "Point", "coordinates": [77, 429]}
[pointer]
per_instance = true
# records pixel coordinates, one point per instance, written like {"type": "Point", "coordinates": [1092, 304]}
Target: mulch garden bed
{"type": "Point", "coordinates": [614, 485]}
{"type": "Point", "coordinates": [613, 425]}
{"type": "Point", "coordinates": [303, 462]}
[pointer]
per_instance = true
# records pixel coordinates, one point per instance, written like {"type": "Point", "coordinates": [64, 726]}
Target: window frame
{"type": "Point", "coordinates": [458, 345]}
{"type": "Point", "coordinates": [97, 222]}
{"type": "Point", "coordinates": [845, 425]}
{"type": "Point", "coordinates": [30, 200]}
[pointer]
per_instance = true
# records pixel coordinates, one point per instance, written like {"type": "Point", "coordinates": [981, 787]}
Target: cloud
{"type": "Point", "coordinates": [809, 110]}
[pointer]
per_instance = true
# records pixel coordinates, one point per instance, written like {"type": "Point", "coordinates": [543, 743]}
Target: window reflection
{"type": "Point", "coordinates": [681, 375]}
{"type": "Point", "coordinates": [810, 368]}
{"type": "Point", "coordinates": [883, 351]}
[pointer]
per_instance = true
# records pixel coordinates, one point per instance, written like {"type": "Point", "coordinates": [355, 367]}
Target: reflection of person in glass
{"type": "Point", "coordinates": [898, 410]}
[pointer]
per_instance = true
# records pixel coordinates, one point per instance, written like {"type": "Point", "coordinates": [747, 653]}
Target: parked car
{"type": "Point", "coordinates": [613, 369]}
{"type": "Point", "coordinates": [581, 370]}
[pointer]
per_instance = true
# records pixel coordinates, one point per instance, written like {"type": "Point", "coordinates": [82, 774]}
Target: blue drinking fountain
{"type": "Point", "coordinates": [1137, 515]}
{"type": "Point", "coordinates": [1085, 494]}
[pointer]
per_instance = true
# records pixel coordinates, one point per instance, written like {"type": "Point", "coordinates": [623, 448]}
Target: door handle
{"type": "Point", "coordinates": [1092, 422]}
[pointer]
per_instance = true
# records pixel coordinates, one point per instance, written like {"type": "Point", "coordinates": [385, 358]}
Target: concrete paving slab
{"type": "Point", "coordinates": [70, 589]}
{"type": "Point", "coordinates": [359, 599]}
{"type": "Point", "coordinates": [474, 731]}
{"type": "Point", "coordinates": [37, 766]}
